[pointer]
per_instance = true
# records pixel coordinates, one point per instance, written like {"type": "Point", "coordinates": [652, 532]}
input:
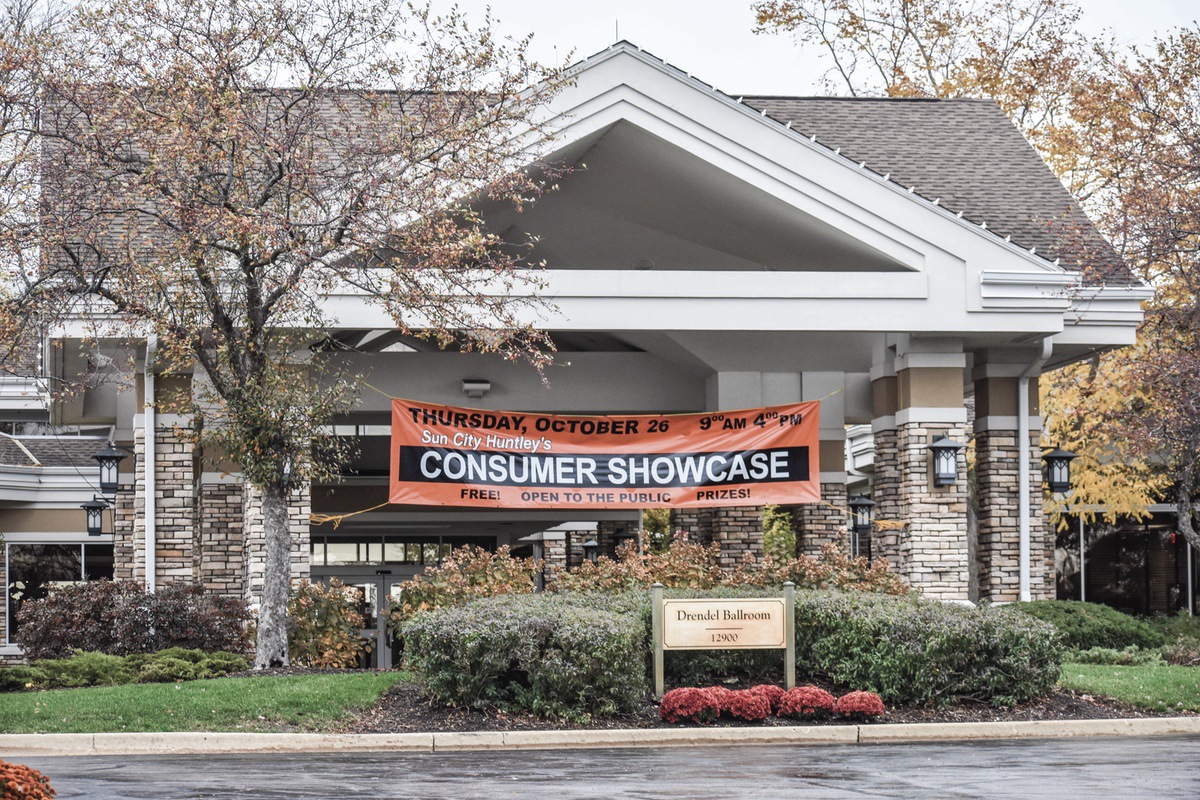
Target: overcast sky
{"type": "Point", "coordinates": [713, 39]}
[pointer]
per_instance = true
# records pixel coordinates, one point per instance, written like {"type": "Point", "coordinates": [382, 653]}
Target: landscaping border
{"type": "Point", "coordinates": [107, 744]}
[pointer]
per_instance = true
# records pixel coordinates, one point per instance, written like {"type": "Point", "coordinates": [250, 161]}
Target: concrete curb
{"type": "Point", "coordinates": [97, 744]}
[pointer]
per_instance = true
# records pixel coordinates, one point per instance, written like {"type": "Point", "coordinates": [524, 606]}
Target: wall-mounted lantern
{"type": "Point", "coordinates": [860, 523]}
{"type": "Point", "coordinates": [110, 459]}
{"type": "Point", "coordinates": [1058, 470]}
{"type": "Point", "coordinates": [945, 460]}
{"type": "Point", "coordinates": [591, 550]}
{"type": "Point", "coordinates": [95, 515]}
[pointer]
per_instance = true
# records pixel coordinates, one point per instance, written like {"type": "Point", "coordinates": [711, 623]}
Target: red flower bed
{"type": "Point", "coordinates": [806, 702]}
{"type": "Point", "coordinates": [770, 691]}
{"type": "Point", "coordinates": [18, 782]}
{"type": "Point", "coordinates": [860, 705]}
{"type": "Point", "coordinates": [689, 705]}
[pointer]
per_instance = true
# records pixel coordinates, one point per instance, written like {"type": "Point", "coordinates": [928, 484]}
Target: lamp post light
{"type": "Point", "coordinates": [945, 460]}
{"type": "Point", "coordinates": [109, 459]}
{"type": "Point", "coordinates": [860, 513]}
{"type": "Point", "coordinates": [591, 550]}
{"type": "Point", "coordinates": [1058, 470]}
{"type": "Point", "coordinates": [95, 515]}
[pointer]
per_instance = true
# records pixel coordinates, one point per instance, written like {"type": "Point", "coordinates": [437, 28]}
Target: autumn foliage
{"type": "Point", "coordinates": [688, 565]}
{"type": "Point", "coordinates": [18, 782]}
{"type": "Point", "coordinates": [324, 625]}
{"type": "Point", "coordinates": [859, 705]}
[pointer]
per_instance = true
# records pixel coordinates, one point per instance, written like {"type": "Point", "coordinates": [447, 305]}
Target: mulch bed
{"type": "Point", "coordinates": [405, 709]}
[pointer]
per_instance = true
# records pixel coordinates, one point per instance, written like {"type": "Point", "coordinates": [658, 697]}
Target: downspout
{"type": "Point", "coordinates": [149, 424]}
{"type": "Point", "coordinates": [1024, 502]}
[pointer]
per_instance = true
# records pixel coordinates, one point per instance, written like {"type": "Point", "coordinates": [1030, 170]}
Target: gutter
{"type": "Point", "coordinates": [149, 424]}
{"type": "Point", "coordinates": [1024, 501]}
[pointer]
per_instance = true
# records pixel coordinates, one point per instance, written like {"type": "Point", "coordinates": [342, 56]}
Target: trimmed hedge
{"type": "Point", "coordinates": [912, 651]}
{"type": "Point", "coordinates": [535, 653]}
{"type": "Point", "coordinates": [1087, 625]}
{"type": "Point", "coordinates": [121, 617]}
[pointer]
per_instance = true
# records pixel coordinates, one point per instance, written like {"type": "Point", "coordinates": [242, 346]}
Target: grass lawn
{"type": "Point", "coordinates": [306, 702]}
{"type": "Point", "coordinates": [1165, 688]}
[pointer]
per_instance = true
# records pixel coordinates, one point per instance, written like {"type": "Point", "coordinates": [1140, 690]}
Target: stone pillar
{"type": "Point", "coordinates": [819, 524]}
{"type": "Point", "coordinates": [554, 553]}
{"type": "Point", "coordinates": [888, 529]}
{"type": "Point", "coordinates": [997, 461]}
{"type": "Point", "coordinates": [128, 564]}
{"type": "Point", "coordinates": [174, 503]}
{"type": "Point", "coordinates": [697, 523]}
{"type": "Point", "coordinates": [931, 551]}
{"type": "Point", "coordinates": [299, 507]}
{"type": "Point", "coordinates": [739, 532]}
{"type": "Point", "coordinates": [220, 553]}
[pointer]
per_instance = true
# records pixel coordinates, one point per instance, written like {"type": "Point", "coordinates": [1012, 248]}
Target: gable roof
{"type": "Point", "coordinates": [966, 154]}
{"type": "Point", "coordinates": [50, 451]}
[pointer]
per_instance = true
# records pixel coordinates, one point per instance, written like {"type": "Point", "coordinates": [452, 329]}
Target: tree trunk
{"type": "Point", "coordinates": [1183, 508]}
{"type": "Point", "coordinates": [272, 644]}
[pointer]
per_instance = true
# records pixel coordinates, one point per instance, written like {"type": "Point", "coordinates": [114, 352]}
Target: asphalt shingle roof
{"type": "Point", "coordinates": [51, 451]}
{"type": "Point", "coordinates": [967, 153]}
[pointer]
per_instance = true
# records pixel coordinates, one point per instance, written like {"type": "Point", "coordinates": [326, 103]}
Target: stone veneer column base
{"type": "Point", "coordinates": [998, 523]}
{"type": "Point", "coordinates": [933, 545]}
{"type": "Point", "coordinates": [221, 552]}
{"type": "Point", "coordinates": [819, 524]}
{"type": "Point", "coordinates": [885, 539]}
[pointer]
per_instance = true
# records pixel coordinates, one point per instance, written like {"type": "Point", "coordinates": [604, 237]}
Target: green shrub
{"type": "Point", "coordinates": [1087, 625]}
{"type": "Point", "coordinates": [324, 625]}
{"type": "Point", "coordinates": [1130, 656]}
{"type": "Point", "coordinates": [779, 533]}
{"type": "Point", "coordinates": [99, 669]}
{"type": "Point", "coordinates": [84, 669]}
{"type": "Point", "coordinates": [121, 617]}
{"type": "Point", "coordinates": [912, 651]}
{"type": "Point", "coordinates": [536, 653]}
{"type": "Point", "coordinates": [17, 679]}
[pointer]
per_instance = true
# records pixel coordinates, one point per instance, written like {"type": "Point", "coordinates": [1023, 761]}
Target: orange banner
{"type": "Point", "coordinates": [448, 456]}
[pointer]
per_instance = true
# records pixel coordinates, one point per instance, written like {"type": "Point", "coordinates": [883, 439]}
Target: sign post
{"type": "Point", "coordinates": [750, 623]}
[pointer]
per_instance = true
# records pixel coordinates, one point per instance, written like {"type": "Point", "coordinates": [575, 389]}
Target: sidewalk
{"type": "Point", "coordinates": [88, 744]}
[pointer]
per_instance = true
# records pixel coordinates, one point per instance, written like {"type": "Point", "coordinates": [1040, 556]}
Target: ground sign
{"type": "Point", "coordinates": [743, 623]}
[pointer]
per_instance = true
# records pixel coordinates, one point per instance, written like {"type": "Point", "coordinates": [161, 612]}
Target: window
{"type": "Point", "coordinates": [34, 570]}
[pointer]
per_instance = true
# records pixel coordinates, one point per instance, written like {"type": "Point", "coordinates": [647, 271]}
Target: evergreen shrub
{"type": "Point", "coordinates": [535, 653]}
{"type": "Point", "coordinates": [1087, 625]}
{"type": "Point", "coordinates": [100, 669]}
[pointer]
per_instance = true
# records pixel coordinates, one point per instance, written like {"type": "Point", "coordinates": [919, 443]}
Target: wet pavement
{"type": "Point", "coordinates": [1149, 767]}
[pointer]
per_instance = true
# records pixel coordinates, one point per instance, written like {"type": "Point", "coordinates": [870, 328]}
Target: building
{"type": "Point", "coordinates": [897, 260]}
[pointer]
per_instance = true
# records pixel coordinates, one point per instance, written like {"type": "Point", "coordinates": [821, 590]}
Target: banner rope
{"type": "Point", "coordinates": [338, 519]}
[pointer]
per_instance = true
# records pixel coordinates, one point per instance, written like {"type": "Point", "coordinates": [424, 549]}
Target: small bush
{"type": "Point", "coordinates": [859, 705]}
{"type": "Point", "coordinates": [535, 653]}
{"type": "Point", "coordinates": [806, 702]}
{"type": "Point", "coordinates": [84, 669]}
{"type": "Point", "coordinates": [19, 782]}
{"type": "Point", "coordinates": [773, 693]}
{"type": "Point", "coordinates": [1087, 625]}
{"type": "Point", "coordinates": [1130, 656]}
{"type": "Point", "coordinates": [747, 705]}
{"type": "Point", "coordinates": [324, 625]}
{"type": "Point", "coordinates": [779, 533]}
{"type": "Point", "coordinates": [698, 706]}
{"type": "Point", "coordinates": [1185, 652]}
{"type": "Point", "coordinates": [468, 573]}
{"type": "Point", "coordinates": [120, 618]}
{"type": "Point", "coordinates": [912, 651]}
{"type": "Point", "coordinates": [99, 669]}
{"type": "Point", "coordinates": [686, 565]}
